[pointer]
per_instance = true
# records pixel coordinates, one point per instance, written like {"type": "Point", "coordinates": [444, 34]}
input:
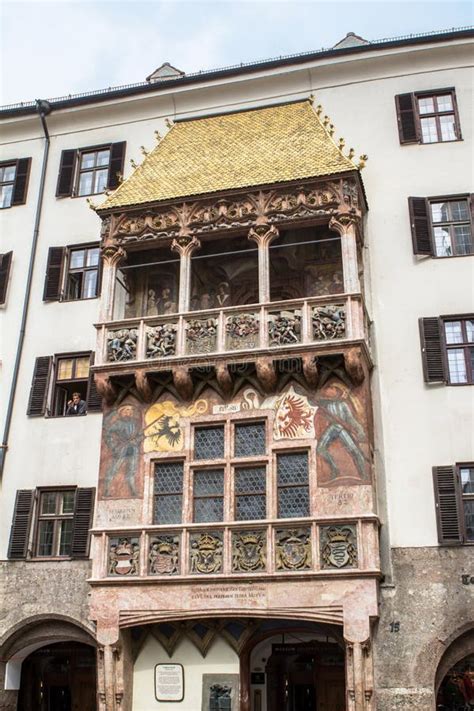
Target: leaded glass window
{"type": "Point", "coordinates": [168, 492]}
{"type": "Point", "coordinates": [209, 442]}
{"type": "Point", "coordinates": [250, 498]}
{"type": "Point", "coordinates": [208, 495]}
{"type": "Point", "coordinates": [249, 439]}
{"type": "Point", "coordinates": [292, 480]}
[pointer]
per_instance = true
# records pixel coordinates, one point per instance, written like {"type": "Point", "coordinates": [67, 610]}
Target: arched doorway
{"type": "Point", "coordinates": [59, 677]}
{"type": "Point", "coordinates": [456, 691]}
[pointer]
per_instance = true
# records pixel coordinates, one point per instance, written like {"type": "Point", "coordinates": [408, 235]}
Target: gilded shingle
{"type": "Point", "coordinates": [244, 149]}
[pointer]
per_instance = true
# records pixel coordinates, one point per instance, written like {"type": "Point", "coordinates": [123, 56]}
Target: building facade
{"type": "Point", "coordinates": [220, 484]}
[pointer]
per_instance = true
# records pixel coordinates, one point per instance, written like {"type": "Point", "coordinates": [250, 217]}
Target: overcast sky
{"type": "Point", "coordinates": [62, 47]}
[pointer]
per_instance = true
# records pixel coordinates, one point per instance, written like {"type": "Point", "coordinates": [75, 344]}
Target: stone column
{"type": "Point", "coordinates": [359, 675]}
{"type": "Point", "coordinates": [185, 246]}
{"type": "Point", "coordinates": [263, 235]}
{"type": "Point", "coordinates": [345, 225]}
{"type": "Point", "coordinates": [112, 257]}
{"type": "Point", "coordinates": [114, 694]}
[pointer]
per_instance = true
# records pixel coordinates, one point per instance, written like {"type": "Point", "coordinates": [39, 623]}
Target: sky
{"type": "Point", "coordinates": [61, 47]}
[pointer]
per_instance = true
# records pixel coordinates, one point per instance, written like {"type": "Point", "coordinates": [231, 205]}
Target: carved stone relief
{"type": "Point", "coordinates": [293, 549]}
{"type": "Point", "coordinates": [122, 344]}
{"type": "Point", "coordinates": [338, 545]}
{"type": "Point", "coordinates": [242, 331]}
{"type": "Point", "coordinates": [201, 336]}
{"type": "Point", "coordinates": [284, 328]}
{"type": "Point", "coordinates": [161, 340]}
{"type": "Point", "coordinates": [164, 555]}
{"type": "Point", "coordinates": [124, 556]}
{"type": "Point", "coordinates": [329, 322]}
{"type": "Point", "coordinates": [206, 552]}
{"type": "Point", "coordinates": [248, 551]}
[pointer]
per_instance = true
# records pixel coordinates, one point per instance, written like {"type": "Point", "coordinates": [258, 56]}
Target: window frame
{"type": "Point", "coordinates": [465, 346]}
{"type": "Point", "coordinates": [55, 383]}
{"type": "Point", "coordinates": [409, 117]}
{"type": "Point", "coordinates": [434, 94]}
{"type": "Point", "coordinates": [78, 171]}
{"type": "Point", "coordinates": [7, 164]}
{"type": "Point", "coordinates": [56, 518]}
{"type": "Point", "coordinates": [470, 221]}
{"type": "Point", "coordinates": [464, 497]}
{"type": "Point", "coordinates": [68, 270]}
{"type": "Point", "coordinates": [163, 461]}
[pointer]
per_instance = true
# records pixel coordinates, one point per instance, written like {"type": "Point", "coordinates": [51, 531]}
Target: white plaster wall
{"type": "Point", "coordinates": [220, 659]}
{"type": "Point", "coordinates": [422, 426]}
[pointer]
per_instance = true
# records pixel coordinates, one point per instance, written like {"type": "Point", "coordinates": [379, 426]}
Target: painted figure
{"type": "Point", "coordinates": [123, 436]}
{"type": "Point", "coordinates": [342, 428]}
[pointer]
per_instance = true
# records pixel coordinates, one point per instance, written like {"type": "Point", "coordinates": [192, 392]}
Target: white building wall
{"type": "Point", "coordinates": [422, 426]}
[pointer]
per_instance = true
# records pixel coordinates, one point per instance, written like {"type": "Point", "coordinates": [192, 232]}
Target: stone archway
{"type": "Point", "coordinates": [40, 631]}
{"type": "Point", "coordinates": [454, 683]}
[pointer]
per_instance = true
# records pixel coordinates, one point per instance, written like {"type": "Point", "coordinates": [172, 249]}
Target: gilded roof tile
{"type": "Point", "coordinates": [238, 150]}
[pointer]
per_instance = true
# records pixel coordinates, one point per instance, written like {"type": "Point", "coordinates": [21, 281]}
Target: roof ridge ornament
{"type": "Point", "coordinates": [329, 128]}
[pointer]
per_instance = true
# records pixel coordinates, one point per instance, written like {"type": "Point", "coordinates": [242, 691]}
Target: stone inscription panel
{"type": "Point", "coordinates": [229, 596]}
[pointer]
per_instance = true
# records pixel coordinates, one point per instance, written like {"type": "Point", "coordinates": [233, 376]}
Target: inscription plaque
{"type": "Point", "coordinates": [169, 682]}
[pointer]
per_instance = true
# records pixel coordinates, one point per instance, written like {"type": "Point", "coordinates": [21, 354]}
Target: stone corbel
{"type": "Point", "coordinates": [142, 383]}
{"type": "Point", "coordinates": [354, 365]}
{"type": "Point", "coordinates": [183, 382]}
{"type": "Point", "coordinates": [266, 374]}
{"type": "Point", "coordinates": [106, 389]}
{"type": "Point", "coordinates": [342, 222]}
{"type": "Point", "coordinates": [185, 245]}
{"type": "Point", "coordinates": [263, 234]}
{"type": "Point", "coordinates": [112, 255]}
{"type": "Point", "coordinates": [224, 378]}
{"type": "Point", "coordinates": [310, 371]}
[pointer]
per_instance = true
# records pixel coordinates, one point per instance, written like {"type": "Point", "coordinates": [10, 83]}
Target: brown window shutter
{"type": "Point", "coordinates": [21, 181]}
{"type": "Point", "coordinates": [83, 511]}
{"type": "Point", "coordinates": [54, 267]}
{"type": "Point", "coordinates": [20, 531]}
{"type": "Point", "coordinates": [434, 369]}
{"type": "Point", "coordinates": [5, 263]}
{"type": "Point", "coordinates": [420, 221]}
{"type": "Point", "coordinates": [39, 386]}
{"type": "Point", "coordinates": [66, 173]}
{"type": "Point", "coordinates": [117, 155]}
{"type": "Point", "coordinates": [407, 118]}
{"type": "Point", "coordinates": [448, 501]}
{"type": "Point", "coordinates": [94, 400]}
{"type": "Point", "coordinates": [471, 205]}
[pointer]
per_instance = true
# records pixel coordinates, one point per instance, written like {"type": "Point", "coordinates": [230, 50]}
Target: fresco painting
{"type": "Point", "coordinates": [164, 430]}
{"type": "Point", "coordinates": [121, 470]}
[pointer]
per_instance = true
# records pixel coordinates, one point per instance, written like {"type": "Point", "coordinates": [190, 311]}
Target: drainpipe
{"type": "Point", "coordinates": [43, 109]}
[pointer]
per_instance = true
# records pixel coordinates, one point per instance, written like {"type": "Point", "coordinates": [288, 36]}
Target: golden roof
{"type": "Point", "coordinates": [218, 153]}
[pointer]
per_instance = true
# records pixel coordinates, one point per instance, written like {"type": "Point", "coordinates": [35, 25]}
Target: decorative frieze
{"type": "Point", "coordinates": [293, 549]}
{"type": "Point", "coordinates": [123, 556]}
{"type": "Point", "coordinates": [248, 551]}
{"type": "Point", "coordinates": [201, 336]}
{"type": "Point", "coordinates": [164, 555]}
{"type": "Point", "coordinates": [161, 340]}
{"type": "Point", "coordinates": [122, 345]}
{"type": "Point", "coordinates": [242, 331]}
{"type": "Point", "coordinates": [224, 214]}
{"type": "Point", "coordinates": [206, 552]}
{"type": "Point", "coordinates": [338, 546]}
{"type": "Point", "coordinates": [329, 322]}
{"type": "Point", "coordinates": [284, 328]}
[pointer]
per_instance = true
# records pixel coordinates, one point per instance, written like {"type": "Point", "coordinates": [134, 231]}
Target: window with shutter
{"type": "Point", "coordinates": [428, 116]}
{"type": "Point", "coordinates": [21, 183]}
{"type": "Point", "coordinates": [20, 530]}
{"type": "Point", "coordinates": [5, 264]}
{"type": "Point", "coordinates": [420, 226]}
{"type": "Point", "coordinates": [90, 171]}
{"type": "Point", "coordinates": [83, 512]}
{"type": "Point", "coordinates": [442, 226]}
{"type": "Point", "coordinates": [39, 386]}
{"type": "Point", "coordinates": [117, 158]}
{"type": "Point", "coordinates": [54, 267]}
{"type": "Point", "coordinates": [66, 173]}
{"type": "Point", "coordinates": [449, 505]}
{"type": "Point", "coordinates": [434, 369]}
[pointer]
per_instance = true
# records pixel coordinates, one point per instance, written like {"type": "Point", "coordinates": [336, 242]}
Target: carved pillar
{"type": "Point", "coordinates": [112, 257]}
{"type": "Point", "coordinates": [263, 235]}
{"type": "Point", "coordinates": [345, 225]}
{"type": "Point", "coordinates": [359, 676]}
{"type": "Point", "coordinates": [185, 246]}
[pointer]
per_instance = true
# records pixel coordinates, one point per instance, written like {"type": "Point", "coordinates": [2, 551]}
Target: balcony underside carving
{"type": "Point", "coordinates": [274, 206]}
{"type": "Point", "coordinates": [264, 374]}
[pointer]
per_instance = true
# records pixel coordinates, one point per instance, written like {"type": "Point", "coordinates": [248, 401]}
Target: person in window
{"type": "Point", "coordinates": [76, 406]}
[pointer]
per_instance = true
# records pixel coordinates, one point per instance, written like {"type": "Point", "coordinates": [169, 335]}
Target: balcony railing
{"type": "Point", "coordinates": [282, 547]}
{"type": "Point", "coordinates": [283, 325]}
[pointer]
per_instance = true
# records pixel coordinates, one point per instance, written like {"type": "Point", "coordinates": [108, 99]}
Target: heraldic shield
{"type": "Point", "coordinates": [338, 547]}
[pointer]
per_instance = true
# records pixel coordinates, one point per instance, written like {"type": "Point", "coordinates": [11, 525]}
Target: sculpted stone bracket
{"type": "Point", "coordinates": [265, 374]}
{"type": "Point", "coordinates": [338, 199]}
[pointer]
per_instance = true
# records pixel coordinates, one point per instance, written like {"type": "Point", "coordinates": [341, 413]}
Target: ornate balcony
{"type": "Point", "coordinates": [315, 547]}
{"type": "Point", "coordinates": [321, 324]}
